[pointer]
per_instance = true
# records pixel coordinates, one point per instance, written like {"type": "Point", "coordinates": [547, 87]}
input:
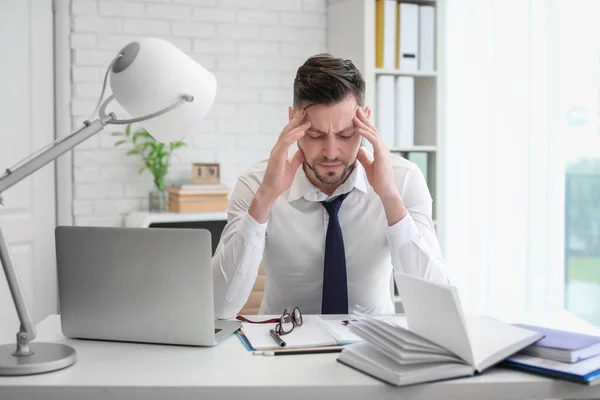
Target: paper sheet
{"type": "Point", "coordinates": [309, 334]}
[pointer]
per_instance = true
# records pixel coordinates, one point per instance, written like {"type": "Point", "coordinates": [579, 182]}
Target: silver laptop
{"type": "Point", "coordinates": [147, 285]}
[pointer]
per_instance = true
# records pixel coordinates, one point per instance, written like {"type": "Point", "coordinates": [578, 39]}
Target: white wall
{"type": "Point", "coordinates": [254, 48]}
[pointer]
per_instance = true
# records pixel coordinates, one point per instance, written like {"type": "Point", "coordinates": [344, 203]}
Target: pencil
{"type": "Point", "coordinates": [312, 350]}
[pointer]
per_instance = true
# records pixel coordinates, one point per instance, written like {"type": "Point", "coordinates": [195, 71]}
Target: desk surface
{"type": "Point", "coordinates": [109, 370]}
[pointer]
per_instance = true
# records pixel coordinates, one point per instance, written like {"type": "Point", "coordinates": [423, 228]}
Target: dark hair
{"type": "Point", "coordinates": [324, 79]}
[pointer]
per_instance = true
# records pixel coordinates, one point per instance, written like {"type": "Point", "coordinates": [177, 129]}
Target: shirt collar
{"type": "Point", "coordinates": [302, 187]}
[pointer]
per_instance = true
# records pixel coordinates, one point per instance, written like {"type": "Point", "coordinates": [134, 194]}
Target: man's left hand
{"type": "Point", "coordinates": [379, 171]}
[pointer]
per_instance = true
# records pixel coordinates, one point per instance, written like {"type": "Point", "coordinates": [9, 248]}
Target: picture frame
{"type": "Point", "coordinates": [206, 173]}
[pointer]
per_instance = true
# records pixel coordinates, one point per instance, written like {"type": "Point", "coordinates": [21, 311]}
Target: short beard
{"type": "Point", "coordinates": [331, 180]}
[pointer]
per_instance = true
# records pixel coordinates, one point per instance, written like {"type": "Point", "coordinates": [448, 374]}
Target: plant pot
{"type": "Point", "coordinates": [158, 201]}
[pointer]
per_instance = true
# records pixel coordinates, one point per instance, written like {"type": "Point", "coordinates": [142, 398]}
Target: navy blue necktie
{"type": "Point", "coordinates": [335, 286]}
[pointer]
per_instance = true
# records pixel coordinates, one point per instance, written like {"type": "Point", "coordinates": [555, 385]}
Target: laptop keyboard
{"type": "Point", "coordinates": [218, 330]}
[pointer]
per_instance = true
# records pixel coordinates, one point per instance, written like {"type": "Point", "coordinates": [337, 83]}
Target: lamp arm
{"type": "Point", "coordinates": [25, 168]}
{"type": "Point", "coordinates": [184, 98]}
{"type": "Point", "coordinates": [27, 329]}
{"type": "Point", "coordinates": [17, 174]}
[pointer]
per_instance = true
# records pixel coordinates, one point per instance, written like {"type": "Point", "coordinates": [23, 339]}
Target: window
{"type": "Point", "coordinates": [575, 77]}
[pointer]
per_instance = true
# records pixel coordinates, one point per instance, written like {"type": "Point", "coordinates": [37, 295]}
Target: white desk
{"type": "Point", "coordinates": [106, 370]}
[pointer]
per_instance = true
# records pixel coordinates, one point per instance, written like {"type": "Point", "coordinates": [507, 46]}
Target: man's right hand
{"type": "Point", "coordinates": [280, 172]}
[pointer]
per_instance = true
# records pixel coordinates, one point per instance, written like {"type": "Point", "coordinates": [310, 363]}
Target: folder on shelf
{"type": "Point", "coordinates": [385, 108]}
{"type": "Point", "coordinates": [420, 158]}
{"type": "Point", "coordinates": [409, 37]}
{"type": "Point", "coordinates": [379, 33]}
{"type": "Point", "coordinates": [389, 33]}
{"type": "Point", "coordinates": [404, 111]}
{"type": "Point", "coordinates": [427, 38]}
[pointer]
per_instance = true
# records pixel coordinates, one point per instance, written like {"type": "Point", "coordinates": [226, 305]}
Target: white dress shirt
{"type": "Point", "coordinates": [291, 244]}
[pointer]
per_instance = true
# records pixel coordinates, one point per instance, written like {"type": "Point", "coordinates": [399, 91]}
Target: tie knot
{"type": "Point", "coordinates": [334, 205]}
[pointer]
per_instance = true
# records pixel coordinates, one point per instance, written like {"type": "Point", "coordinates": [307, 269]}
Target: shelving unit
{"type": "Point", "coordinates": [395, 72]}
{"type": "Point", "coordinates": [413, 149]}
{"type": "Point", "coordinates": [351, 35]}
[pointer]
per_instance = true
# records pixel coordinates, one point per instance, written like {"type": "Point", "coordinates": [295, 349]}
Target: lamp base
{"type": "Point", "coordinates": [46, 357]}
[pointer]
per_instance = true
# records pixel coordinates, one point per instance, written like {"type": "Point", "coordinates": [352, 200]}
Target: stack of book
{"type": "Point", "coordinates": [198, 198]}
{"type": "Point", "coordinates": [560, 354]}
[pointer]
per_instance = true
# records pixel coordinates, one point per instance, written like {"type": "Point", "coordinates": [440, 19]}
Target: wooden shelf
{"type": "Point", "coordinates": [420, 2]}
{"type": "Point", "coordinates": [427, 149]}
{"type": "Point", "coordinates": [397, 72]}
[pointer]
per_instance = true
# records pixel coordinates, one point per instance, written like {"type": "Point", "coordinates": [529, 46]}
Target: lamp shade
{"type": "Point", "coordinates": [153, 74]}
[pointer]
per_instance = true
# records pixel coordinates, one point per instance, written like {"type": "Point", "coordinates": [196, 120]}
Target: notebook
{"type": "Point", "coordinates": [586, 371]}
{"type": "Point", "coordinates": [309, 334]}
{"type": "Point", "coordinates": [438, 343]}
{"type": "Point", "coordinates": [564, 346]}
{"type": "Point", "coordinates": [315, 331]}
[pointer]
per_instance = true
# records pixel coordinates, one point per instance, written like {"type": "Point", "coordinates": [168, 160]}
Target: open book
{"type": "Point", "coordinates": [439, 341]}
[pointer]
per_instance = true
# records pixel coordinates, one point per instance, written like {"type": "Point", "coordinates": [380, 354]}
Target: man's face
{"type": "Point", "coordinates": [331, 143]}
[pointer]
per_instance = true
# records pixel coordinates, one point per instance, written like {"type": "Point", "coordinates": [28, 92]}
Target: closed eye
{"type": "Point", "coordinates": [347, 135]}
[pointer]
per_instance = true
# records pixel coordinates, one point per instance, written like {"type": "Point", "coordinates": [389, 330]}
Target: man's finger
{"type": "Point", "coordinates": [294, 131]}
{"type": "Point", "coordinates": [301, 127]}
{"type": "Point", "coordinates": [294, 122]}
{"type": "Point", "coordinates": [363, 118]}
{"type": "Point", "coordinates": [370, 136]}
{"type": "Point", "coordinates": [293, 136]}
{"type": "Point", "coordinates": [362, 157]}
{"type": "Point", "coordinates": [297, 160]}
{"type": "Point", "coordinates": [283, 145]}
{"type": "Point", "coordinates": [360, 124]}
{"type": "Point", "coordinates": [378, 146]}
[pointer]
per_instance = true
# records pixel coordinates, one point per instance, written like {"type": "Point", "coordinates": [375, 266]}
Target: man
{"type": "Point", "coordinates": [331, 233]}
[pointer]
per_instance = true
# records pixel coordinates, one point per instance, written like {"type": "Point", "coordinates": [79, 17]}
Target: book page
{"type": "Point", "coordinates": [434, 312]}
{"type": "Point", "coordinates": [401, 336]}
{"type": "Point", "coordinates": [343, 334]}
{"type": "Point", "coordinates": [398, 351]}
{"type": "Point", "coordinates": [309, 334]}
{"type": "Point", "coordinates": [493, 340]}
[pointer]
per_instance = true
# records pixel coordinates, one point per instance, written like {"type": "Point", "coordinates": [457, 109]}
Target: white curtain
{"type": "Point", "coordinates": [502, 221]}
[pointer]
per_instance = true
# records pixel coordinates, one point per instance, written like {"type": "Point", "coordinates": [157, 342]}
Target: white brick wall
{"type": "Point", "coordinates": [252, 46]}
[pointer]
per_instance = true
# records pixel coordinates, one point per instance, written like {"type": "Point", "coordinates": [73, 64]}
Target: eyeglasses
{"type": "Point", "coordinates": [285, 324]}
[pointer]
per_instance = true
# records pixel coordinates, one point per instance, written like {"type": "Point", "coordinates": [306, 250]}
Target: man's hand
{"type": "Point", "coordinates": [280, 172]}
{"type": "Point", "coordinates": [379, 171]}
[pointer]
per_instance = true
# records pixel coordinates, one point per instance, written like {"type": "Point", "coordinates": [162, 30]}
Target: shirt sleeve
{"type": "Point", "coordinates": [238, 255]}
{"type": "Point", "coordinates": [413, 242]}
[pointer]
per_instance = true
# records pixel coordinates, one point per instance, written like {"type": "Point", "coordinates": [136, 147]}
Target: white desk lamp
{"type": "Point", "coordinates": [154, 82]}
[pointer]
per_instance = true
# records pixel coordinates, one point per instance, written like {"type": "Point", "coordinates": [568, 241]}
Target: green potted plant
{"type": "Point", "coordinates": [156, 157]}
